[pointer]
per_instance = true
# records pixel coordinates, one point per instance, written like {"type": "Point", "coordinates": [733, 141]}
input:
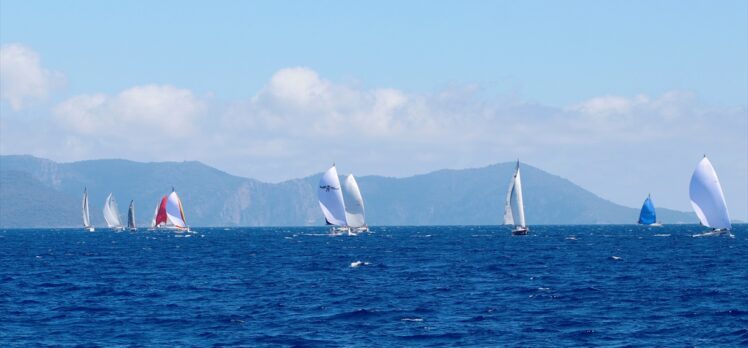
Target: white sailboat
{"type": "Point", "coordinates": [708, 200]}
{"type": "Point", "coordinates": [131, 217]}
{"type": "Point", "coordinates": [331, 201]}
{"type": "Point", "coordinates": [354, 207]}
{"type": "Point", "coordinates": [111, 214]}
{"type": "Point", "coordinates": [86, 219]}
{"type": "Point", "coordinates": [514, 207]}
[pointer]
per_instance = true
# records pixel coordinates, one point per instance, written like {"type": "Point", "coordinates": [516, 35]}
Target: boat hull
{"type": "Point", "coordinates": [520, 231]}
{"type": "Point", "coordinates": [353, 231]}
{"type": "Point", "coordinates": [340, 231]}
{"type": "Point", "coordinates": [715, 232]}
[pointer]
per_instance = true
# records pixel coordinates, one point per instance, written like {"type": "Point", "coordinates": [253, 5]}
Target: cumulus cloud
{"type": "Point", "coordinates": [22, 78]}
{"type": "Point", "coordinates": [297, 102]}
{"type": "Point", "coordinates": [300, 122]}
{"type": "Point", "coordinates": [139, 111]}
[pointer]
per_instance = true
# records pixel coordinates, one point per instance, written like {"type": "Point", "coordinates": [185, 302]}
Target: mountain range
{"type": "Point", "coordinates": [36, 192]}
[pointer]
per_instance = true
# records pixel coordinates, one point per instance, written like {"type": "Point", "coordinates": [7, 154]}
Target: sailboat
{"type": "Point", "coordinates": [131, 217]}
{"type": "Point", "coordinates": [514, 207]}
{"type": "Point", "coordinates": [86, 219]}
{"type": "Point", "coordinates": [170, 214]}
{"type": "Point", "coordinates": [354, 207]}
{"type": "Point", "coordinates": [708, 200]}
{"type": "Point", "coordinates": [111, 214]}
{"type": "Point", "coordinates": [647, 215]}
{"type": "Point", "coordinates": [331, 201]}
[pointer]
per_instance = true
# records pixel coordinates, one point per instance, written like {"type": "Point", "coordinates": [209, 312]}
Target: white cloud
{"type": "Point", "coordinates": [299, 122]}
{"type": "Point", "coordinates": [22, 78]}
{"type": "Point", "coordinates": [136, 112]}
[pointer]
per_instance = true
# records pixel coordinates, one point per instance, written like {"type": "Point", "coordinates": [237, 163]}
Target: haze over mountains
{"type": "Point", "coordinates": [36, 192]}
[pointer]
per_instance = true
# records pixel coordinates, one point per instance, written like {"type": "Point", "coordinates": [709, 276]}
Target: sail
{"type": "Point", "coordinates": [174, 211]}
{"type": "Point", "coordinates": [508, 212]}
{"type": "Point", "coordinates": [111, 212]}
{"type": "Point", "coordinates": [647, 215]}
{"type": "Point", "coordinates": [86, 218]}
{"type": "Point", "coordinates": [514, 207]}
{"type": "Point", "coordinates": [331, 198]}
{"type": "Point", "coordinates": [707, 198]}
{"type": "Point", "coordinates": [131, 215]}
{"type": "Point", "coordinates": [354, 210]}
{"type": "Point", "coordinates": [155, 214]}
{"type": "Point", "coordinates": [159, 217]}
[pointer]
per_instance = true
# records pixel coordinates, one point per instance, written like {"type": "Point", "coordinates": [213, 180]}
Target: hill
{"type": "Point", "coordinates": [215, 198]}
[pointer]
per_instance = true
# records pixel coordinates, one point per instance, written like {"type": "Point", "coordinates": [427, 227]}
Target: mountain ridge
{"type": "Point", "coordinates": [471, 196]}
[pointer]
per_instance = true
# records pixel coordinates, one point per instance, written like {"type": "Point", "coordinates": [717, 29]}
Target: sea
{"type": "Point", "coordinates": [449, 286]}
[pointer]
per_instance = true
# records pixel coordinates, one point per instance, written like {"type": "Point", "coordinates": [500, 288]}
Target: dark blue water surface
{"type": "Point", "coordinates": [414, 286]}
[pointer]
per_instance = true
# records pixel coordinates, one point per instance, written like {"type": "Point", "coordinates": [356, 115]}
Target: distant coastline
{"type": "Point", "coordinates": [37, 192]}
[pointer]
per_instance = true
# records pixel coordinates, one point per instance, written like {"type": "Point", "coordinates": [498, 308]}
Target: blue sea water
{"type": "Point", "coordinates": [398, 286]}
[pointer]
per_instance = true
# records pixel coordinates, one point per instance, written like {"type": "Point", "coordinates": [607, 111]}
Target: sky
{"type": "Point", "coordinates": [620, 97]}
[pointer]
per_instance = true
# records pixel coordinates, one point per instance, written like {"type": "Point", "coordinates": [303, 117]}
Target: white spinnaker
{"type": "Point", "coordinates": [707, 198]}
{"type": "Point", "coordinates": [354, 208]}
{"type": "Point", "coordinates": [111, 212]}
{"type": "Point", "coordinates": [331, 198]}
{"type": "Point", "coordinates": [86, 219]}
{"type": "Point", "coordinates": [174, 210]}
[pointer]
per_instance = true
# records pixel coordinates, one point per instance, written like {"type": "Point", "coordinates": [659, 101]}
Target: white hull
{"type": "Point", "coordinates": [716, 232]}
{"type": "Point", "coordinates": [520, 231]}
{"type": "Point", "coordinates": [359, 230]}
{"type": "Point", "coordinates": [174, 229]}
{"type": "Point", "coordinates": [89, 229]}
{"type": "Point", "coordinates": [340, 231]}
{"type": "Point", "coordinates": [348, 231]}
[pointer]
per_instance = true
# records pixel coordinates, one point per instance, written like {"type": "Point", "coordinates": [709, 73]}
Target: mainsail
{"type": "Point", "coordinates": [514, 208]}
{"type": "Point", "coordinates": [331, 198]}
{"type": "Point", "coordinates": [174, 211]}
{"type": "Point", "coordinates": [86, 218]}
{"type": "Point", "coordinates": [647, 215]}
{"type": "Point", "coordinates": [354, 209]}
{"type": "Point", "coordinates": [131, 216]}
{"type": "Point", "coordinates": [111, 212]}
{"type": "Point", "coordinates": [707, 198]}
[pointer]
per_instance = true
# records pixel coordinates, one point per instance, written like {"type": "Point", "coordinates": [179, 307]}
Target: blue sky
{"type": "Point", "coordinates": [622, 89]}
{"type": "Point", "coordinates": [552, 52]}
